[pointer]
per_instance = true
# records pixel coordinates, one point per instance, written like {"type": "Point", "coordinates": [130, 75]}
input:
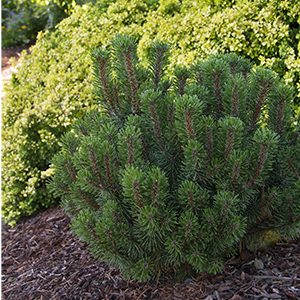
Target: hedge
{"type": "Point", "coordinates": [52, 87]}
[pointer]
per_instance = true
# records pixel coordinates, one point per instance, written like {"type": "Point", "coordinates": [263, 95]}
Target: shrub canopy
{"type": "Point", "coordinates": [53, 85]}
{"type": "Point", "coordinates": [171, 176]}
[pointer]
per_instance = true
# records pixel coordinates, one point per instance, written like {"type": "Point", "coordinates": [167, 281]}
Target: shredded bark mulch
{"type": "Point", "coordinates": [42, 259]}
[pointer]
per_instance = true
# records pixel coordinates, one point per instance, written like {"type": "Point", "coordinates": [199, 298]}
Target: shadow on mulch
{"type": "Point", "coordinates": [42, 259]}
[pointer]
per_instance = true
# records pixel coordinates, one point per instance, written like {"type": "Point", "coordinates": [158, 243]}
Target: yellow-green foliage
{"type": "Point", "coordinates": [50, 90]}
{"type": "Point", "coordinates": [53, 85]}
{"type": "Point", "coordinates": [23, 19]}
{"type": "Point", "coordinates": [265, 31]}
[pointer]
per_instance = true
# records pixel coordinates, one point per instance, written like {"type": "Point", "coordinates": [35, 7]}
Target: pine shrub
{"type": "Point", "coordinates": [176, 173]}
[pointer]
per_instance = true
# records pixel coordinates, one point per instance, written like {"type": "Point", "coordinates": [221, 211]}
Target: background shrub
{"type": "Point", "coordinates": [172, 177]}
{"type": "Point", "coordinates": [23, 19]}
{"type": "Point", "coordinates": [53, 85]}
{"type": "Point", "coordinates": [50, 90]}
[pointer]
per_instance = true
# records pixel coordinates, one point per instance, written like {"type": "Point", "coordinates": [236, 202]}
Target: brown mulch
{"type": "Point", "coordinates": [42, 259]}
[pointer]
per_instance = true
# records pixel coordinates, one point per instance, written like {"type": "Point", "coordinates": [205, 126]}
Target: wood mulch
{"type": "Point", "coordinates": [42, 259]}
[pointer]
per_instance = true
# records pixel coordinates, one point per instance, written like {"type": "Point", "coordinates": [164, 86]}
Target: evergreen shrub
{"type": "Point", "coordinates": [174, 174]}
{"type": "Point", "coordinates": [53, 85]}
{"type": "Point", "coordinates": [51, 89]}
{"type": "Point", "coordinates": [23, 19]}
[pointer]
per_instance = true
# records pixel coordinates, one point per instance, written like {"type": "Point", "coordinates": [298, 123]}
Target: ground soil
{"type": "Point", "coordinates": [42, 259]}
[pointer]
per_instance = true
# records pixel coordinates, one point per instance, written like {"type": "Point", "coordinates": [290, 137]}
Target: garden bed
{"type": "Point", "coordinates": [42, 259]}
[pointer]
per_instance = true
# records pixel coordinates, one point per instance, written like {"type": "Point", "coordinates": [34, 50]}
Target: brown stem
{"type": "Point", "coordinates": [181, 84]}
{"type": "Point", "coordinates": [189, 125]}
{"type": "Point", "coordinates": [235, 101]}
{"type": "Point", "coordinates": [156, 124]}
{"type": "Point", "coordinates": [155, 193]}
{"type": "Point", "coordinates": [235, 173]}
{"type": "Point", "coordinates": [257, 111]}
{"type": "Point", "coordinates": [137, 194]}
{"type": "Point", "coordinates": [95, 168]}
{"type": "Point", "coordinates": [104, 83]}
{"type": "Point", "coordinates": [262, 157]}
{"type": "Point", "coordinates": [108, 170]}
{"type": "Point", "coordinates": [191, 199]}
{"type": "Point", "coordinates": [218, 92]}
{"type": "Point", "coordinates": [130, 153]}
{"type": "Point", "coordinates": [132, 82]}
{"type": "Point", "coordinates": [158, 68]}
{"type": "Point", "coordinates": [88, 200]}
{"type": "Point", "coordinates": [229, 143]}
{"type": "Point", "coordinates": [71, 170]}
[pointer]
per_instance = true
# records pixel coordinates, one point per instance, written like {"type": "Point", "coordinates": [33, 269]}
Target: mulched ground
{"type": "Point", "coordinates": [42, 259]}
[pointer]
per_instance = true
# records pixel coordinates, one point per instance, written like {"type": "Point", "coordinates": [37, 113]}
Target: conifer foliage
{"type": "Point", "coordinates": [175, 173]}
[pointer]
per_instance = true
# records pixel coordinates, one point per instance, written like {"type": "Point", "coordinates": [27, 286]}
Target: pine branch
{"type": "Point", "coordinates": [209, 144]}
{"type": "Point", "coordinates": [235, 101]}
{"type": "Point", "coordinates": [133, 81]}
{"type": "Point", "coordinates": [88, 200]}
{"type": "Point", "coordinates": [263, 82]}
{"type": "Point", "coordinates": [189, 125]}
{"type": "Point", "coordinates": [182, 75]}
{"type": "Point", "coordinates": [262, 157]}
{"type": "Point", "coordinates": [158, 69]}
{"type": "Point", "coordinates": [238, 65]}
{"type": "Point", "coordinates": [229, 143]}
{"type": "Point", "coordinates": [96, 169]}
{"type": "Point", "coordinates": [137, 194]}
{"type": "Point", "coordinates": [217, 87]}
{"type": "Point", "coordinates": [104, 81]}
{"type": "Point", "coordinates": [235, 174]}
{"type": "Point", "coordinates": [108, 170]}
{"type": "Point", "coordinates": [130, 152]}
{"type": "Point", "coordinates": [126, 70]}
{"type": "Point", "coordinates": [102, 70]}
{"type": "Point", "coordinates": [71, 170]}
{"type": "Point", "coordinates": [156, 124]}
{"type": "Point", "coordinates": [257, 111]}
{"type": "Point", "coordinates": [158, 56]}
